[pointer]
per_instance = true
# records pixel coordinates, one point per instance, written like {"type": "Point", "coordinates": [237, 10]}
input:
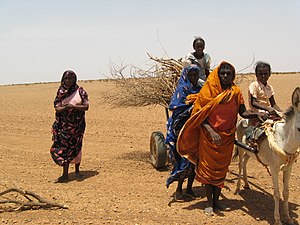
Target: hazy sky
{"type": "Point", "coordinates": [39, 39]}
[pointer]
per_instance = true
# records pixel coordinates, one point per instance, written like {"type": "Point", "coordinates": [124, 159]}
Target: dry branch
{"type": "Point", "coordinates": [32, 201]}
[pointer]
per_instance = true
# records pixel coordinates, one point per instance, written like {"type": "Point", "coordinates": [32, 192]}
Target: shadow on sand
{"type": "Point", "coordinates": [84, 174]}
{"type": "Point", "coordinates": [259, 204]}
{"type": "Point", "coordinates": [199, 192]}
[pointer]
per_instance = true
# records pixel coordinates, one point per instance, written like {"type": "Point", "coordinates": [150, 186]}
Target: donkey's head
{"type": "Point", "coordinates": [296, 107]}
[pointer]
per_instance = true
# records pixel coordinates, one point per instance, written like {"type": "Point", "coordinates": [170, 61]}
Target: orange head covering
{"type": "Point", "coordinates": [211, 89]}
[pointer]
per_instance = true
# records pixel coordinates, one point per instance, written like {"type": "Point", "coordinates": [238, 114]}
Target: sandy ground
{"type": "Point", "coordinates": [119, 186]}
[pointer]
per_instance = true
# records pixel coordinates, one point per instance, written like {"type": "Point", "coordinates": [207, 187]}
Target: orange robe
{"type": "Point", "coordinates": [220, 107]}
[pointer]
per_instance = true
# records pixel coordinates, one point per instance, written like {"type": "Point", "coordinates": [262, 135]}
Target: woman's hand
{"type": "Point", "coordinates": [61, 108]}
{"type": "Point", "coordinates": [79, 106]}
{"type": "Point", "coordinates": [216, 138]}
{"type": "Point", "coordinates": [68, 106]}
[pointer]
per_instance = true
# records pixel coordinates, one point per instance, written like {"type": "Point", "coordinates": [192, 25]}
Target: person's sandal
{"type": "Point", "coordinates": [179, 197]}
{"type": "Point", "coordinates": [191, 194]}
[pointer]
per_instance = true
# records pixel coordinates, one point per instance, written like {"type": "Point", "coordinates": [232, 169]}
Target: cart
{"type": "Point", "coordinates": [158, 148]}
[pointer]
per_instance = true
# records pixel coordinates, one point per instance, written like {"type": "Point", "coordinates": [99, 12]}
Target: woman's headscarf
{"type": "Point", "coordinates": [212, 88]}
{"type": "Point", "coordinates": [65, 91]}
{"type": "Point", "coordinates": [184, 88]}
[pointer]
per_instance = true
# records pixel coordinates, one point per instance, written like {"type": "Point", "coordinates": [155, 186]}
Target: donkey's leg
{"type": "Point", "coordinates": [244, 163]}
{"type": "Point", "coordinates": [286, 178]}
{"type": "Point", "coordinates": [245, 176]}
{"type": "Point", "coordinates": [241, 156]}
{"type": "Point", "coordinates": [240, 131]}
{"type": "Point", "coordinates": [276, 195]}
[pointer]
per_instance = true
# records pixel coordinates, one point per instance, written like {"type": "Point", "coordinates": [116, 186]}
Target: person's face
{"type": "Point", "coordinates": [226, 77]}
{"type": "Point", "coordinates": [263, 75]}
{"type": "Point", "coordinates": [193, 77]}
{"type": "Point", "coordinates": [69, 80]}
{"type": "Point", "coordinates": [199, 47]}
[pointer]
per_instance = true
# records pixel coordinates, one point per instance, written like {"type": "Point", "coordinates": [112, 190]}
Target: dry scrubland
{"type": "Point", "coordinates": [120, 186]}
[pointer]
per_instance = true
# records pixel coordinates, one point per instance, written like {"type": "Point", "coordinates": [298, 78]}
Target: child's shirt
{"type": "Point", "coordinates": [203, 63]}
{"type": "Point", "coordinates": [261, 92]}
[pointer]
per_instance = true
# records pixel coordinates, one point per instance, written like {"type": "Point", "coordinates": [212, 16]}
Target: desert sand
{"type": "Point", "coordinates": [119, 186]}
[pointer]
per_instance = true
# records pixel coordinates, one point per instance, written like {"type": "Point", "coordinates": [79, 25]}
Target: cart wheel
{"type": "Point", "coordinates": [158, 150]}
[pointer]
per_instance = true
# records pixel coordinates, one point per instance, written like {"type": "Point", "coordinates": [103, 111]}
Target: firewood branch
{"type": "Point", "coordinates": [32, 201]}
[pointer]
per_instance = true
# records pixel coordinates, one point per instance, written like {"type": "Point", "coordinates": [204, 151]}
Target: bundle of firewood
{"type": "Point", "coordinates": [153, 86]}
{"type": "Point", "coordinates": [142, 87]}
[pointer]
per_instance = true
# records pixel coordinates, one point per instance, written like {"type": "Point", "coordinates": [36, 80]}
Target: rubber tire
{"type": "Point", "coordinates": [158, 150]}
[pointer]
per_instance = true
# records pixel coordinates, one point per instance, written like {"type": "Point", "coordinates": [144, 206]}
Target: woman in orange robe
{"type": "Point", "coordinates": [207, 138]}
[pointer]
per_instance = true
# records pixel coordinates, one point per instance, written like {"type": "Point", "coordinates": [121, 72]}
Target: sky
{"type": "Point", "coordinates": [40, 39]}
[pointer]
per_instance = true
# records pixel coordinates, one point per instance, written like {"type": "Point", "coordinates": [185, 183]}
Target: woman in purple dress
{"type": "Point", "coordinates": [70, 105]}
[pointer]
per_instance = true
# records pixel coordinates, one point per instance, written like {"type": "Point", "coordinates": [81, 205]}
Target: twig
{"type": "Point", "coordinates": [248, 66]}
{"type": "Point", "coordinates": [34, 201]}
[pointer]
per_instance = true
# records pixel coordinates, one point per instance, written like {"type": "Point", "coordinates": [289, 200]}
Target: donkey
{"type": "Point", "coordinates": [279, 151]}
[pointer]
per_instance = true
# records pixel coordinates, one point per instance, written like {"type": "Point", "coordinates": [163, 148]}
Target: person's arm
{"type": "Point", "coordinates": [255, 104]}
{"type": "Point", "coordinates": [207, 62]}
{"type": "Point", "coordinates": [273, 104]}
{"type": "Point", "coordinates": [269, 109]}
{"type": "Point", "coordinates": [216, 138]}
{"type": "Point", "coordinates": [80, 107]}
{"type": "Point", "coordinates": [60, 108]}
{"type": "Point", "coordinates": [243, 112]}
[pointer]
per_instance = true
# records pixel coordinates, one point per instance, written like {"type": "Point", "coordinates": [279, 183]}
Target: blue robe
{"type": "Point", "coordinates": [182, 168]}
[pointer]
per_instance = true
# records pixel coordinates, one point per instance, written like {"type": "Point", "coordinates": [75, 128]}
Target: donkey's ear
{"type": "Point", "coordinates": [296, 97]}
